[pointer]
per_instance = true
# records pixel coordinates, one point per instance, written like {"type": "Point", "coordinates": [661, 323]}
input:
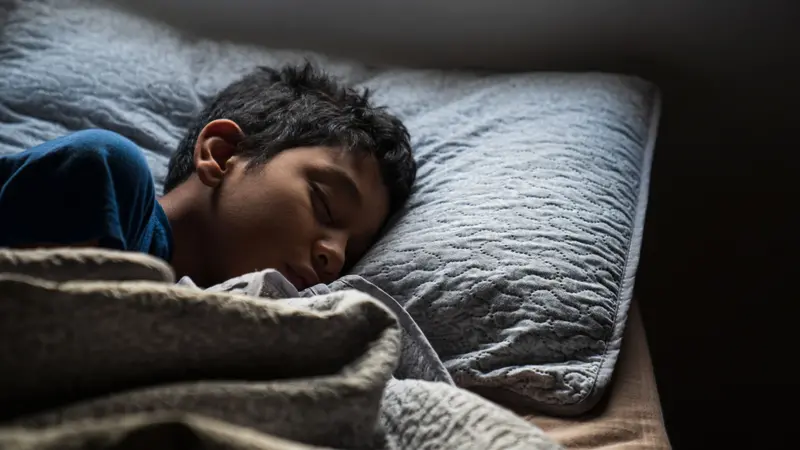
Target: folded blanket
{"type": "Point", "coordinates": [418, 359]}
{"type": "Point", "coordinates": [100, 350]}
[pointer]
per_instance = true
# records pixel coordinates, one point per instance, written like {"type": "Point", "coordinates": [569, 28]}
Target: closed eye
{"type": "Point", "coordinates": [321, 207]}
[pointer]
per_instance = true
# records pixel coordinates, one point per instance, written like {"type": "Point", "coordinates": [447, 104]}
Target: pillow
{"type": "Point", "coordinates": [517, 251]}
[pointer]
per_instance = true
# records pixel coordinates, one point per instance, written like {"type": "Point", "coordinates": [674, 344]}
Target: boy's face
{"type": "Point", "coordinates": [306, 213]}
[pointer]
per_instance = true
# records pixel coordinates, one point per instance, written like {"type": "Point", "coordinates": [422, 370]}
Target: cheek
{"type": "Point", "coordinates": [268, 226]}
{"type": "Point", "coordinates": [256, 204]}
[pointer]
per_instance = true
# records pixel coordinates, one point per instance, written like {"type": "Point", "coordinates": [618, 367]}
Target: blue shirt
{"type": "Point", "coordinates": [90, 186]}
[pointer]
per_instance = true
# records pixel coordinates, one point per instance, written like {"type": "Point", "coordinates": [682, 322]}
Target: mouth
{"type": "Point", "coordinates": [301, 278]}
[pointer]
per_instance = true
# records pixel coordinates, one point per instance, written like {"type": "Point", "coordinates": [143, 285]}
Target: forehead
{"type": "Point", "coordinates": [361, 167]}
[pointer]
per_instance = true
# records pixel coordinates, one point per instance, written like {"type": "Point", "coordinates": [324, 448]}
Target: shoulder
{"type": "Point", "coordinates": [123, 167]}
{"type": "Point", "coordinates": [89, 155]}
{"type": "Point", "coordinates": [127, 183]}
{"type": "Point", "coordinates": [85, 157]}
{"type": "Point", "coordinates": [101, 167]}
{"type": "Point", "coordinates": [102, 157]}
{"type": "Point", "coordinates": [122, 158]}
{"type": "Point", "coordinates": [95, 182]}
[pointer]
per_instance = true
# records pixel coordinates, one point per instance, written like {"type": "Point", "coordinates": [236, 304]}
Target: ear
{"type": "Point", "coordinates": [216, 145]}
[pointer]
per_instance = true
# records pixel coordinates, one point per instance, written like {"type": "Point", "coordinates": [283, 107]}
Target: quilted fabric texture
{"type": "Point", "coordinates": [517, 252]}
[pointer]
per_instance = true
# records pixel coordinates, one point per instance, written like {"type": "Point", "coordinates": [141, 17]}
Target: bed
{"type": "Point", "coordinates": [515, 257]}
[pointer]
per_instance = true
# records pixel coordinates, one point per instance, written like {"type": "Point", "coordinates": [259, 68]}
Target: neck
{"type": "Point", "coordinates": [185, 219]}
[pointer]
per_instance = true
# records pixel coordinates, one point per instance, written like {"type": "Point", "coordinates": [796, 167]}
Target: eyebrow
{"type": "Point", "coordinates": [339, 179]}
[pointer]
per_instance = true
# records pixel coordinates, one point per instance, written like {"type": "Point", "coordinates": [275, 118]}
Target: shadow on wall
{"type": "Point", "coordinates": [502, 34]}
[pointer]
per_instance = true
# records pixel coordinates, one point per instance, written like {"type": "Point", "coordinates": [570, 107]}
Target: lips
{"type": "Point", "coordinates": [301, 278]}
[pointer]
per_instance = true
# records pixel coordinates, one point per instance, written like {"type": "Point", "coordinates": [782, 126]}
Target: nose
{"type": "Point", "coordinates": [329, 254]}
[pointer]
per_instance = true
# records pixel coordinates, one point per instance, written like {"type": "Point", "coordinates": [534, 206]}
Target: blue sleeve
{"type": "Point", "coordinates": [89, 186]}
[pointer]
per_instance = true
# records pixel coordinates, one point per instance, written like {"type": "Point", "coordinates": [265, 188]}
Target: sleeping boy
{"type": "Point", "coordinates": [284, 169]}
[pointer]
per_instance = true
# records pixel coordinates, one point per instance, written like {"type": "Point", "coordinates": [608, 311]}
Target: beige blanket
{"type": "Point", "coordinates": [100, 350]}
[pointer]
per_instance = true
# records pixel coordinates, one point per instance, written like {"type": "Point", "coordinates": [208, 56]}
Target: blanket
{"type": "Point", "coordinates": [418, 359]}
{"type": "Point", "coordinates": [101, 350]}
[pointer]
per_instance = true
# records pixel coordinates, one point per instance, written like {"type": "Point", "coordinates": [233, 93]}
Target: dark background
{"type": "Point", "coordinates": [718, 277]}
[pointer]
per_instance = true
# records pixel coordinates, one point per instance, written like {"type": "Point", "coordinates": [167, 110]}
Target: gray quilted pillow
{"type": "Point", "coordinates": [517, 251]}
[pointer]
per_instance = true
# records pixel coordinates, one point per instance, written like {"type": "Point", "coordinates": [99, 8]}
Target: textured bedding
{"type": "Point", "coordinates": [517, 252]}
{"type": "Point", "coordinates": [102, 351]}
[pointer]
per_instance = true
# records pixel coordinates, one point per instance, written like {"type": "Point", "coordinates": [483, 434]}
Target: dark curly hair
{"type": "Point", "coordinates": [300, 106]}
